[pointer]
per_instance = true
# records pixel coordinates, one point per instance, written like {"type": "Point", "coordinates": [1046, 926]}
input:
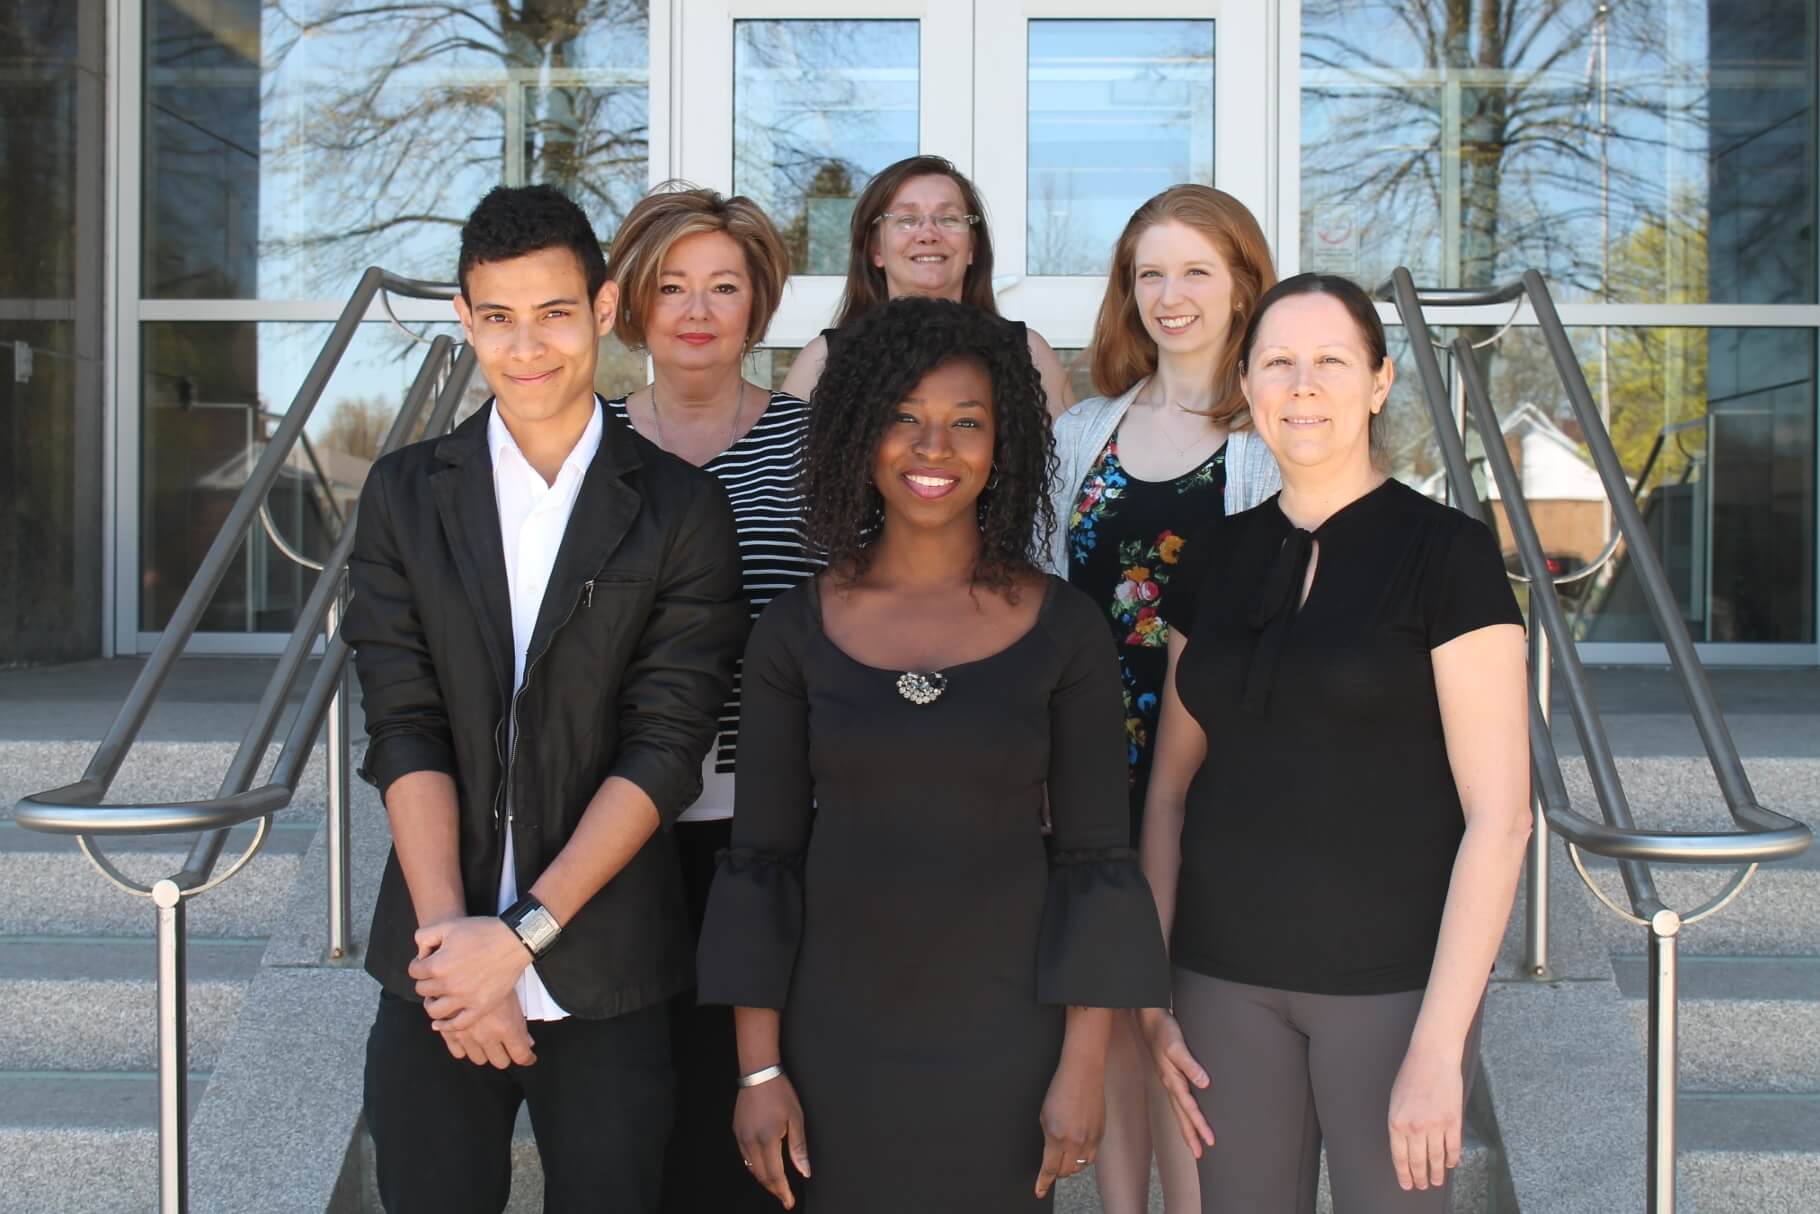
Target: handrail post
{"type": "Point", "coordinates": [1664, 1055]}
{"type": "Point", "coordinates": [1458, 388]}
{"type": "Point", "coordinates": [336, 770]}
{"type": "Point", "coordinates": [1535, 924]}
{"type": "Point", "coordinates": [173, 1052]}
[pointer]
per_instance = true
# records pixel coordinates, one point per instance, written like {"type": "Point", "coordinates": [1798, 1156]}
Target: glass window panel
{"type": "Point", "coordinates": [819, 107]}
{"type": "Point", "coordinates": [212, 392]}
{"type": "Point", "coordinates": [53, 144]}
{"type": "Point", "coordinates": [1715, 429]}
{"type": "Point", "coordinates": [1119, 110]}
{"type": "Point", "coordinates": [1661, 151]}
{"type": "Point", "coordinates": [287, 147]}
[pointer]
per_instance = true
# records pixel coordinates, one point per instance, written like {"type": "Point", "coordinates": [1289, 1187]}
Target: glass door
{"type": "Point", "coordinates": [1066, 113]}
{"type": "Point", "coordinates": [1108, 105]}
{"type": "Point", "coordinates": [797, 103]}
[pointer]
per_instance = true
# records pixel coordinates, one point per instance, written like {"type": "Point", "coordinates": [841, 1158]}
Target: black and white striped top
{"type": "Point", "coordinates": [760, 474]}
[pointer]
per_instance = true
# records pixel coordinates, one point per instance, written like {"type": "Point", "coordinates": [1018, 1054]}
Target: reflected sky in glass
{"type": "Point", "coordinates": [1119, 111]}
{"type": "Point", "coordinates": [818, 108]}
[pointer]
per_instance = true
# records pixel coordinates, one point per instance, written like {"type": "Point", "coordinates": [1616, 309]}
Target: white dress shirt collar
{"type": "Point", "coordinates": [500, 441]}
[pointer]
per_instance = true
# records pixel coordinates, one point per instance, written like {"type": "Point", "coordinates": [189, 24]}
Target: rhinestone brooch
{"type": "Point", "coordinates": [921, 688]}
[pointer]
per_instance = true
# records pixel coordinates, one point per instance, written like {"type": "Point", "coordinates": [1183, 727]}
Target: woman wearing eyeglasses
{"type": "Point", "coordinates": [919, 228]}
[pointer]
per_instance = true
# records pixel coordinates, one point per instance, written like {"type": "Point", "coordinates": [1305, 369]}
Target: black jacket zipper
{"type": "Point", "coordinates": [503, 825]}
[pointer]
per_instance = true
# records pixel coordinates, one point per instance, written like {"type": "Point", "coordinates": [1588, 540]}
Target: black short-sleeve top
{"type": "Point", "coordinates": [1321, 829]}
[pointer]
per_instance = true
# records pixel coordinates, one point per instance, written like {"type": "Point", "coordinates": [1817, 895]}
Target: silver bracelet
{"type": "Point", "coordinates": [764, 1074]}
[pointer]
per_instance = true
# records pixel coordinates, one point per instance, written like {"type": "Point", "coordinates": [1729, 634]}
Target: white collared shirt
{"type": "Point", "coordinates": [532, 519]}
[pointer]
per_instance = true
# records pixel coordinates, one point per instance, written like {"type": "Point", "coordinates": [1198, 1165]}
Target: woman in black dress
{"type": "Point", "coordinates": [1340, 797]}
{"type": "Point", "coordinates": [891, 926]}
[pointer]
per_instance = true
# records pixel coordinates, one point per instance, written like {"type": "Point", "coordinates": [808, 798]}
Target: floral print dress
{"type": "Point", "coordinates": [1125, 539]}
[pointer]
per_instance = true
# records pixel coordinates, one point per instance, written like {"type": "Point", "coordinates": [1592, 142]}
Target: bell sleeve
{"type": "Point", "coordinates": [754, 920]}
{"type": "Point", "coordinates": [1101, 943]}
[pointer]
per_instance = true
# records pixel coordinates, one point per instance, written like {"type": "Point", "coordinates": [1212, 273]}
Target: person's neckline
{"type": "Point", "coordinates": [814, 591]}
{"type": "Point", "coordinates": [1216, 454]}
{"type": "Point", "coordinates": [1357, 506]}
{"type": "Point", "coordinates": [621, 406]}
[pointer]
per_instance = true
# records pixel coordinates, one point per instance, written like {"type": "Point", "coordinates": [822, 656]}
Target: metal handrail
{"type": "Point", "coordinates": [1763, 835]}
{"type": "Point", "coordinates": [1639, 490]}
{"type": "Point", "coordinates": [79, 808]}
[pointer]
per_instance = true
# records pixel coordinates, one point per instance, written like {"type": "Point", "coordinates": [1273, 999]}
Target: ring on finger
{"type": "Point", "coordinates": [1081, 1163]}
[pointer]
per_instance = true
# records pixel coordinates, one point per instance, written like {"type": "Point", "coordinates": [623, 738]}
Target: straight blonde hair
{"type": "Point", "coordinates": [666, 215]}
{"type": "Point", "coordinates": [1122, 352]}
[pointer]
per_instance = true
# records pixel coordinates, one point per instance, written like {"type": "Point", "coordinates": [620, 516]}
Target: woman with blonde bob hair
{"type": "Point", "coordinates": [919, 229]}
{"type": "Point", "coordinates": [1144, 467]}
{"type": "Point", "coordinates": [700, 276]}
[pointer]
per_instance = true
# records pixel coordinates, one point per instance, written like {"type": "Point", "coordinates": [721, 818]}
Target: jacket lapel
{"type": "Point", "coordinates": [470, 518]}
{"type": "Point", "coordinates": [604, 509]}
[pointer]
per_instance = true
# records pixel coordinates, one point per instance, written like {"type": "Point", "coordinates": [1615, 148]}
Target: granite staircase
{"type": "Point", "coordinates": [78, 1051]}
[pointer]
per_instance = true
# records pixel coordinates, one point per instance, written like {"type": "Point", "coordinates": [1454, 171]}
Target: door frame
{"type": "Point", "coordinates": [701, 88]}
{"type": "Point", "coordinates": [973, 111]}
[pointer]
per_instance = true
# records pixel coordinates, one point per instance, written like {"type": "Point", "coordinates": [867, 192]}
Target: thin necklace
{"type": "Point", "coordinates": [1162, 424]}
{"type": "Point", "coordinates": [739, 410]}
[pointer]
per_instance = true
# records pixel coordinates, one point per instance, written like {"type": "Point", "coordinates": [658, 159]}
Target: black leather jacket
{"type": "Point", "coordinates": [630, 661]}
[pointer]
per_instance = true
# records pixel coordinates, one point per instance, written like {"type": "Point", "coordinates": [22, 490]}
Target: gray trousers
{"type": "Point", "coordinates": [1291, 1072]}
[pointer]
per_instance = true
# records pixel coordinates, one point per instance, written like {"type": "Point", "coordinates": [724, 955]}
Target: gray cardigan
{"type": "Point", "coordinates": [1082, 433]}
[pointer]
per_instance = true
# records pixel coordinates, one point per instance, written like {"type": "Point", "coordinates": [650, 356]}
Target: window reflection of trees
{"type": "Point", "coordinates": [384, 123]}
{"type": "Point", "coordinates": [1484, 136]}
{"type": "Point", "coordinates": [819, 107]}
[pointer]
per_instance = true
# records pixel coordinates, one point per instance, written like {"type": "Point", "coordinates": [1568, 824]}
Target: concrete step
{"type": "Point", "coordinates": [1778, 913]}
{"type": "Point", "coordinates": [110, 982]}
{"type": "Point", "coordinates": [1750, 1153]}
{"type": "Point", "coordinates": [53, 890]}
{"type": "Point", "coordinates": [1472, 1182]}
{"type": "Point", "coordinates": [154, 772]}
{"type": "Point", "coordinates": [81, 1141]}
{"type": "Point", "coordinates": [1677, 789]}
{"type": "Point", "coordinates": [1747, 1024]}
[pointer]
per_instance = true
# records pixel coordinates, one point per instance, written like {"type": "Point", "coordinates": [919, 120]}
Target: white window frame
{"type": "Point", "coordinates": [974, 111]}
{"type": "Point", "coordinates": [1062, 307]}
{"type": "Point", "coordinates": [703, 80]}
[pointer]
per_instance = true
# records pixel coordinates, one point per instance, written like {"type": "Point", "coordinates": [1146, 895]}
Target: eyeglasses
{"type": "Point", "coordinates": [909, 221]}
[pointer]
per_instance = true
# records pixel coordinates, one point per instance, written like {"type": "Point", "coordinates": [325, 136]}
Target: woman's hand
{"type": "Point", "coordinates": [1425, 1115]}
{"type": "Point", "coordinates": [1177, 1069]}
{"type": "Point", "coordinates": [763, 1117]}
{"type": "Point", "coordinates": [1073, 1118]}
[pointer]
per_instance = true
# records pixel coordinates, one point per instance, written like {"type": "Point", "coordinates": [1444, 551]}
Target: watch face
{"type": "Point", "coordinates": [538, 929]}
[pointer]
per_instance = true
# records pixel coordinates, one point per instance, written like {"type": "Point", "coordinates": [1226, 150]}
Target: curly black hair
{"type": "Point", "coordinates": [512, 221]}
{"type": "Point", "coordinates": [872, 365]}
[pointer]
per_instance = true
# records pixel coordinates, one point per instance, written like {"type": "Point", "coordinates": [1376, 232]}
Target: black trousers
{"type": "Point", "coordinates": [600, 1099]}
{"type": "Point", "coordinates": [702, 1170]}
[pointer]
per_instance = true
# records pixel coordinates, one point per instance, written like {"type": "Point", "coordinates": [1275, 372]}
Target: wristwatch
{"type": "Point", "coordinates": [536, 927]}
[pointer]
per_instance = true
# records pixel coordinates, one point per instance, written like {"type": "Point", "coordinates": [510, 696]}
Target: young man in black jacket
{"type": "Point", "coordinates": [545, 620]}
